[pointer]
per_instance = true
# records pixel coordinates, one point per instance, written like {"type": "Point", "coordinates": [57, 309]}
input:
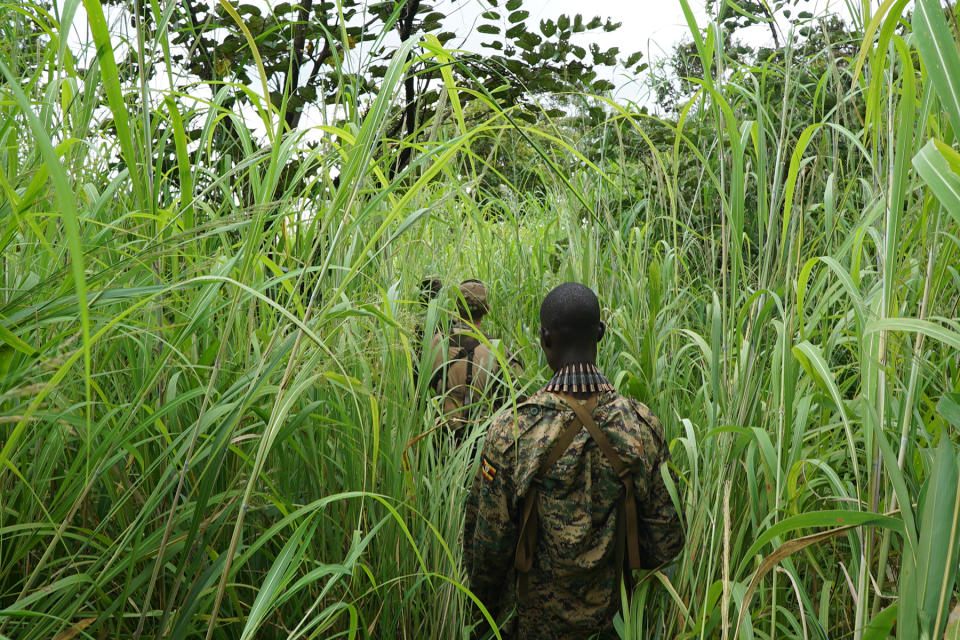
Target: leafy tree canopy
{"type": "Point", "coordinates": [316, 50]}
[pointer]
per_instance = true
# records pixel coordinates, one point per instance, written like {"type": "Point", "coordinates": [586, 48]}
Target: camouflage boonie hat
{"type": "Point", "coordinates": [474, 294]}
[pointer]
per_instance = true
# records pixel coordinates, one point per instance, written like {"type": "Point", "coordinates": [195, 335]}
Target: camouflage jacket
{"type": "Point", "coordinates": [574, 585]}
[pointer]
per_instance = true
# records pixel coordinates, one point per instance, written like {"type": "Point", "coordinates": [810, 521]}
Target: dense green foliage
{"type": "Point", "coordinates": [209, 425]}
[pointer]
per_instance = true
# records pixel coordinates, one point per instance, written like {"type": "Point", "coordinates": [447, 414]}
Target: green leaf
{"type": "Point", "coordinates": [529, 41]}
{"type": "Point", "coordinates": [112, 85]}
{"type": "Point", "coordinates": [518, 16]}
{"type": "Point", "coordinates": [811, 359]}
{"type": "Point", "coordinates": [833, 518]}
{"type": "Point", "coordinates": [9, 338]}
{"type": "Point", "coordinates": [939, 52]}
{"type": "Point", "coordinates": [929, 329]}
{"type": "Point", "coordinates": [879, 628]}
{"type": "Point", "coordinates": [602, 86]}
{"type": "Point", "coordinates": [491, 29]}
{"type": "Point", "coordinates": [516, 31]}
{"type": "Point", "coordinates": [939, 542]}
{"type": "Point", "coordinates": [71, 228]}
{"type": "Point", "coordinates": [934, 168]}
{"type": "Point", "coordinates": [949, 408]}
{"type": "Point", "coordinates": [275, 581]}
{"type": "Point", "coordinates": [792, 176]}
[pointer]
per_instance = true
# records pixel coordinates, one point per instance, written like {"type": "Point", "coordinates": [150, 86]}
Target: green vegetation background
{"type": "Point", "coordinates": [210, 425]}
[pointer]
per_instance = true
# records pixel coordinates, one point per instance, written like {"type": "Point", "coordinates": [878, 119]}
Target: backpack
{"type": "Point", "coordinates": [461, 347]}
{"type": "Point", "coordinates": [460, 354]}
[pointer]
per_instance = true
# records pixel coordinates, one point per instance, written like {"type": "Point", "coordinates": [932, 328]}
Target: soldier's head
{"type": "Point", "coordinates": [472, 301]}
{"type": "Point", "coordinates": [570, 325]}
{"type": "Point", "coordinates": [429, 288]}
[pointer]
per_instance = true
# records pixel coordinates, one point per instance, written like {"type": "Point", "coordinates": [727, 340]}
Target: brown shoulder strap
{"type": "Point", "coordinates": [622, 470]}
{"type": "Point", "coordinates": [530, 520]}
{"type": "Point", "coordinates": [598, 436]}
{"type": "Point", "coordinates": [527, 540]}
{"type": "Point", "coordinates": [465, 346]}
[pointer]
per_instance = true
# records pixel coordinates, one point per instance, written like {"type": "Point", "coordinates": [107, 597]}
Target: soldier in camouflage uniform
{"type": "Point", "coordinates": [467, 370]}
{"type": "Point", "coordinates": [569, 585]}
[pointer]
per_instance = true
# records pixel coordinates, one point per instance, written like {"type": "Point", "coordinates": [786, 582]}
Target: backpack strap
{"type": "Point", "coordinates": [624, 473]}
{"type": "Point", "coordinates": [530, 519]}
{"type": "Point", "coordinates": [528, 530]}
{"type": "Point", "coordinates": [465, 345]}
{"type": "Point", "coordinates": [468, 378]}
{"type": "Point", "coordinates": [468, 345]}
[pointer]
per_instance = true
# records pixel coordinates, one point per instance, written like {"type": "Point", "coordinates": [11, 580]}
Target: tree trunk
{"type": "Point", "coordinates": [410, 110]}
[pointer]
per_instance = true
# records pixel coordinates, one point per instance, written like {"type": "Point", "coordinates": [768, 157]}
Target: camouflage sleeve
{"type": "Point", "coordinates": [664, 534]}
{"type": "Point", "coordinates": [490, 530]}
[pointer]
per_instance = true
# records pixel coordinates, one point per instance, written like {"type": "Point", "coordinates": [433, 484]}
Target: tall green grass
{"type": "Point", "coordinates": [210, 422]}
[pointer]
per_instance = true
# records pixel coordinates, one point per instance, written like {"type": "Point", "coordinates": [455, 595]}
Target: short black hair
{"type": "Point", "coordinates": [571, 312]}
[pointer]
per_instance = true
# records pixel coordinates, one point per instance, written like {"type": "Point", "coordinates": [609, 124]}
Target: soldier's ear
{"type": "Point", "coordinates": [545, 340]}
{"type": "Point", "coordinates": [602, 331]}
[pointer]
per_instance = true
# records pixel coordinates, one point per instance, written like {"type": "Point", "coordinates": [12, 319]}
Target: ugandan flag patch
{"type": "Point", "coordinates": [487, 469]}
